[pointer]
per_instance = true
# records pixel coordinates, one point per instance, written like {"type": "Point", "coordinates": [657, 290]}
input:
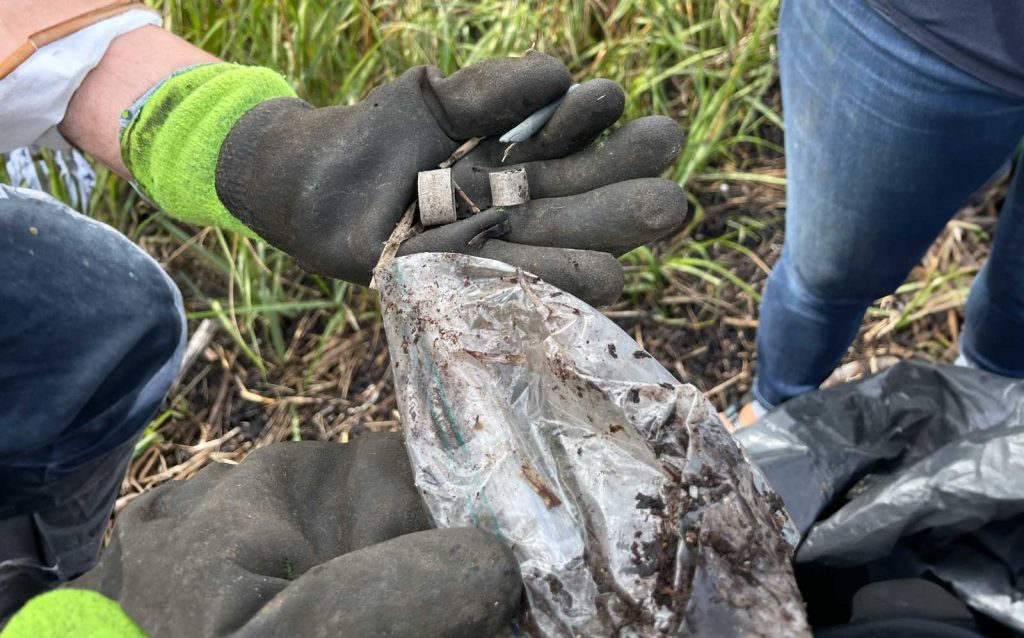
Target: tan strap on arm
{"type": "Point", "coordinates": [64, 29]}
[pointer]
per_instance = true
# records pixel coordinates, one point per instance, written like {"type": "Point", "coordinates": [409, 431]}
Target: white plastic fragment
{"type": "Point", "coordinates": [535, 122]}
{"type": "Point", "coordinates": [509, 188]}
{"type": "Point", "coordinates": [436, 195]}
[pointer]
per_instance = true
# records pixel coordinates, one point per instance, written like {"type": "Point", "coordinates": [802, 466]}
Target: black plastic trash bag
{"type": "Point", "coordinates": [915, 472]}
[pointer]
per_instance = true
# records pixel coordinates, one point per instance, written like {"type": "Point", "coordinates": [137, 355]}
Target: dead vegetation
{"type": "Point", "coordinates": [295, 356]}
{"type": "Point", "coordinates": [703, 332]}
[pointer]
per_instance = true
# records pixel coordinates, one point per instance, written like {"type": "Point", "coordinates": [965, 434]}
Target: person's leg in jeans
{"type": "Point", "coordinates": [993, 334]}
{"type": "Point", "coordinates": [884, 141]}
{"type": "Point", "coordinates": [91, 336]}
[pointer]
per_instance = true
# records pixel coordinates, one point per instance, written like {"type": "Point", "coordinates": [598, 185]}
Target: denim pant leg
{"type": "Point", "coordinates": [91, 336]}
{"type": "Point", "coordinates": [884, 141]}
{"type": "Point", "coordinates": [993, 334]}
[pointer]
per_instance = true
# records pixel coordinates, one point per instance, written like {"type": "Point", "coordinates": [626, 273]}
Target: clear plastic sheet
{"type": "Point", "coordinates": [917, 471]}
{"type": "Point", "coordinates": [630, 509]}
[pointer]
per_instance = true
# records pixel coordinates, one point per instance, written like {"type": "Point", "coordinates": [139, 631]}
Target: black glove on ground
{"type": "Point", "coordinates": [329, 185]}
{"type": "Point", "coordinates": [304, 539]}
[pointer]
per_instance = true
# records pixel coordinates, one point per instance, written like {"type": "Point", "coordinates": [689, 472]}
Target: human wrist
{"type": "Point", "coordinates": [133, 63]}
{"type": "Point", "coordinates": [172, 144]}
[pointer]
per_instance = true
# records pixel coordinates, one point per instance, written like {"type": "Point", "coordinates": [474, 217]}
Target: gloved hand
{"type": "Point", "coordinates": [304, 539]}
{"type": "Point", "coordinates": [328, 185]}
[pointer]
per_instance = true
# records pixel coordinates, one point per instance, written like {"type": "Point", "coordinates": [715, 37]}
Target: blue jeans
{"type": "Point", "coordinates": [884, 142]}
{"type": "Point", "coordinates": [91, 336]}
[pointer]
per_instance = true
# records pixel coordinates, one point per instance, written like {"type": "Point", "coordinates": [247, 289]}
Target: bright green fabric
{"type": "Point", "coordinates": [172, 145]}
{"type": "Point", "coordinates": [71, 612]}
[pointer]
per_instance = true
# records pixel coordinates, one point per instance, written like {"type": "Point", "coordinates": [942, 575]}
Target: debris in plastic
{"type": "Point", "coordinates": [915, 472]}
{"type": "Point", "coordinates": [630, 509]}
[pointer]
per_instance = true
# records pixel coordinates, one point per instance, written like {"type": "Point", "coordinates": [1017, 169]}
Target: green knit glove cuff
{"type": "Point", "coordinates": [71, 612]}
{"type": "Point", "coordinates": [171, 144]}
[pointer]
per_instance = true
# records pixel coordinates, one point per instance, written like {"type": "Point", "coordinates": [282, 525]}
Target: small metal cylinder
{"type": "Point", "coordinates": [509, 188]}
{"type": "Point", "coordinates": [436, 194]}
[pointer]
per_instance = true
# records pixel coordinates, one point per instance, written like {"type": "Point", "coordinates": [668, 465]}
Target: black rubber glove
{"type": "Point", "coordinates": [304, 539]}
{"type": "Point", "coordinates": [329, 185]}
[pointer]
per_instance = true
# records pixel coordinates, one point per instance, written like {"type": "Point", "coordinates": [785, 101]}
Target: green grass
{"type": "Point", "coordinates": [709, 64]}
{"type": "Point", "coordinates": [706, 63]}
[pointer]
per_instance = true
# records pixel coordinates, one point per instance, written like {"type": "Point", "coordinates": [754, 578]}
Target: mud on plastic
{"type": "Point", "coordinates": [630, 509]}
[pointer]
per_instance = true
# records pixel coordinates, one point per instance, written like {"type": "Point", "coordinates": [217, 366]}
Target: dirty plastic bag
{"type": "Point", "coordinates": [528, 413]}
{"type": "Point", "coordinates": [920, 470]}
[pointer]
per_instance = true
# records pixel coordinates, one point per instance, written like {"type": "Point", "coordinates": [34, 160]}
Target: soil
{"type": "Point", "coordinates": [733, 576]}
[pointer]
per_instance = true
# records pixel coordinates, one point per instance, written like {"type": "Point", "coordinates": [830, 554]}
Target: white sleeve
{"type": "Point", "coordinates": [35, 96]}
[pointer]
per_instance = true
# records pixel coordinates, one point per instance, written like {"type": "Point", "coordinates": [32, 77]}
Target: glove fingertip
{"type": "Point", "coordinates": [664, 207]}
{"type": "Point", "coordinates": [475, 568]}
{"type": "Point", "coordinates": [492, 96]}
{"type": "Point", "coordinates": [668, 135]}
{"type": "Point", "coordinates": [595, 277]}
{"type": "Point", "coordinates": [654, 141]}
{"type": "Point", "coordinates": [593, 107]}
{"type": "Point", "coordinates": [605, 285]}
